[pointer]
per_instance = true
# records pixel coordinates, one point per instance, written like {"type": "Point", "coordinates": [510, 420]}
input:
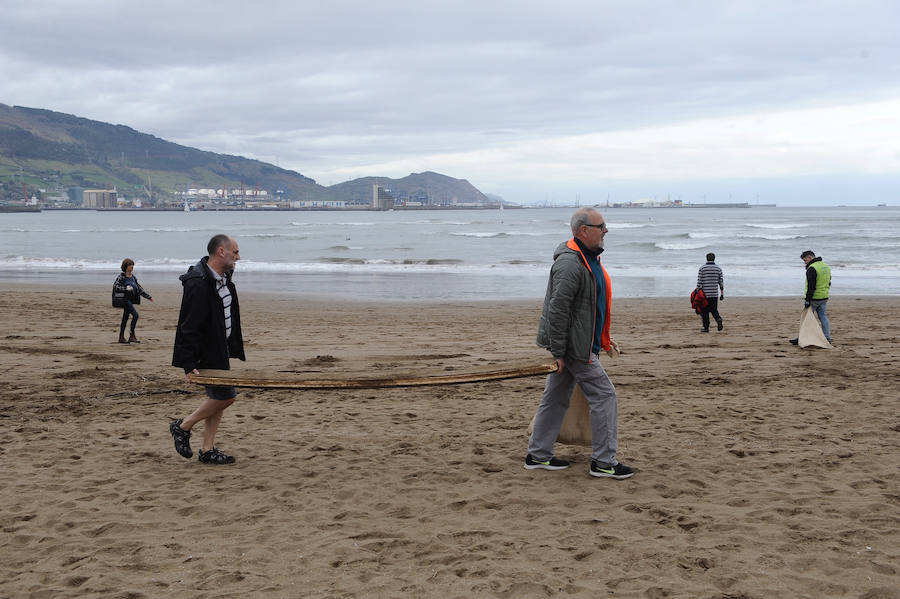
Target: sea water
{"type": "Point", "coordinates": [443, 255]}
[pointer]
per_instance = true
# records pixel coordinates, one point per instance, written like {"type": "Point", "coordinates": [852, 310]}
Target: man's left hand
{"type": "Point", "coordinates": [806, 304]}
{"type": "Point", "coordinates": [613, 351]}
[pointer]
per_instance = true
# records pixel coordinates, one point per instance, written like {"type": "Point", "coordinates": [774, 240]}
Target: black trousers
{"type": "Point", "coordinates": [712, 308]}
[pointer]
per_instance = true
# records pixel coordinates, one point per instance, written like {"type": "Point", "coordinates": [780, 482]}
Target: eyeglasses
{"type": "Point", "coordinates": [601, 226]}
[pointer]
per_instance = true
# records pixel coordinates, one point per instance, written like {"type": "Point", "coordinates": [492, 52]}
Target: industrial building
{"type": "Point", "coordinates": [100, 198]}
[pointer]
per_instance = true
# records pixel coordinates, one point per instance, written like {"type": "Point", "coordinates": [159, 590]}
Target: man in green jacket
{"type": "Point", "coordinates": [574, 326]}
{"type": "Point", "coordinates": [818, 284]}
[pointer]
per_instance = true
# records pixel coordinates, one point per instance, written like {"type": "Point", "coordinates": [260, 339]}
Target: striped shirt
{"type": "Point", "coordinates": [225, 294]}
{"type": "Point", "coordinates": [709, 278]}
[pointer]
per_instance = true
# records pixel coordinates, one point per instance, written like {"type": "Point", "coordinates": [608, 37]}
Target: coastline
{"type": "Point", "coordinates": [763, 470]}
{"type": "Point", "coordinates": [355, 208]}
{"type": "Point", "coordinates": [448, 257]}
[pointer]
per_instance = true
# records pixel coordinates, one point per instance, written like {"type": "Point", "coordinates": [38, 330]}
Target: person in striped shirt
{"type": "Point", "coordinates": [208, 334]}
{"type": "Point", "coordinates": [710, 280]}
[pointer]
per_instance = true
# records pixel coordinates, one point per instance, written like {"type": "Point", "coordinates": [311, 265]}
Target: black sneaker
{"type": "Point", "coordinates": [182, 438]}
{"type": "Point", "coordinates": [719, 324]}
{"type": "Point", "coordinates": [795, 341]}
{"type": "Point", "coordinates": [551, 464]}
{"type": "Point", "coordinates": [704, 330]}
{"type": "Point", "coordinates": [214, 456]}
{"type": "Point", "coordinates": [618, 471]}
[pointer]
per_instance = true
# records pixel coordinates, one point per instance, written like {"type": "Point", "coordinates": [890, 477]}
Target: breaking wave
{"type": "Point", "coordinates": [776, 225]}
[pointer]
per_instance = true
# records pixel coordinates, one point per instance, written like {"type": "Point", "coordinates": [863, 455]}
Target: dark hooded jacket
{"type": "Point", "coordinates": [200, 340]}
{"type": "Point", "coordinates": [569, 315]}
{"type": "Point", "coordinates": [133, 296]}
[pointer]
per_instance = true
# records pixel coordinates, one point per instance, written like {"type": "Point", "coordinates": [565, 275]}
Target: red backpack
{"type": "Point", "coordinates": [698, 300]}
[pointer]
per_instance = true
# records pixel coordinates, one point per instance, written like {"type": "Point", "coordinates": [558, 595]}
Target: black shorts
{"type": "Point", "coordinates": [220, 393]}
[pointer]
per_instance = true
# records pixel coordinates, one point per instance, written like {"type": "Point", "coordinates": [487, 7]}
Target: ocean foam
{"type": "Point", "coordinates": [498, 234]}
{"type": "Point", "coordinates": [776, 225]}
{"type": "Point", "coordinates": [615, 225]}
{"type": "Point", "coordinates": [676, 246]}
{"type": "Point", "coordinates": [773, 237]}
{"type": "Point", "coordinates": [323, 264]}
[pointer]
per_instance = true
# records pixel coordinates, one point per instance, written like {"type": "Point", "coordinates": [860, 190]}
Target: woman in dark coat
{"type": "Point", "coordinates": [126, 281]}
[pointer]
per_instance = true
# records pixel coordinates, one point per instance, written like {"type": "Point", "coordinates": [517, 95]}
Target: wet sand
{"type": "Point", "coordinates": [764, 470]}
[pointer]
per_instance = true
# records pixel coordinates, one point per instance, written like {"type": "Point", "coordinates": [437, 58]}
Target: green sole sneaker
{"type": "Point", "coordinates": [551, 464]}
{"type": "Point", "coordinates": [619, 471]}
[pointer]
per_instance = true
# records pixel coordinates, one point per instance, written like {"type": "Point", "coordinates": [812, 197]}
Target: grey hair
{"type": "Point", "coordinates": [581, 217]}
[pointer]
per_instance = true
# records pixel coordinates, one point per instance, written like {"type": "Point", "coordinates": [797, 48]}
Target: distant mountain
{"type": "Point", "coordinates": [427, 187]}
{"type": "Point", "coordinates": [43, 148]}
{"type": "Point", "coordinates": [51, 150]}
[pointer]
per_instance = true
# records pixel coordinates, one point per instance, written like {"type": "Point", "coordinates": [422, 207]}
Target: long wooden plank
{"type": "Point", "coordinates": [234, 379]}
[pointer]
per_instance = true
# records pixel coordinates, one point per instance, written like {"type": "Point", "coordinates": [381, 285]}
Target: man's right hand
{"type": "Point", "coordinates": [560, 365]}
{"type": "Point", "coordinates": [187, 375]}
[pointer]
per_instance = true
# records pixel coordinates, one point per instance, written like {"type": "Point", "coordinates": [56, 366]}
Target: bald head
{"type": "Point", "coordinates": [223, 253]}
{"type": "Point", "coordinates": [589, 227]}
{"type": "Point", "coordinates": [582, 216]}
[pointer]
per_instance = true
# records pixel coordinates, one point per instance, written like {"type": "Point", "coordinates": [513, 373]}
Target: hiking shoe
{"type": "Point", "coordinates": [795, 341]}
{"type": "Point", "coordinates": [214, 456]}
{"type": "Point", "coordinates": [182, 438]}
{"type": "Point", "coordinates": [551, 464]}
{"type": "Point", "coordinates": [704, 330]}
{"type": "Point", "coordinates": [719, 324]}
{"type": "Point", "coordinates": [618, 471]}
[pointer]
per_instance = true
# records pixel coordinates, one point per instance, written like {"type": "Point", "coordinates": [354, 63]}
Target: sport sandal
{"type": "Point", "coordinates": [214, 456]}
{"type": "Point", "coordinates": [182, 438]}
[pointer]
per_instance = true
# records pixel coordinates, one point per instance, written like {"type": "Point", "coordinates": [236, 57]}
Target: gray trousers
{"type": "Point", "coordinates": [602, 402]}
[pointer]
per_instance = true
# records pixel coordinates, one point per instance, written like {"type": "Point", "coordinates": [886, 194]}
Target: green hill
{"type": "Point", "coordinates": [42, 149]}
{"type": "Point", "coordinates": [428, 188]}
{"type": "Point", "coordinates": [51, 150]}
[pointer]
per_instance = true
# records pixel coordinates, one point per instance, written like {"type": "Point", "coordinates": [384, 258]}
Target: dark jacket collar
{"type": "Point", "coordinates": [203, 271]}
{"type": "Point", "coordinates": [586, 251]}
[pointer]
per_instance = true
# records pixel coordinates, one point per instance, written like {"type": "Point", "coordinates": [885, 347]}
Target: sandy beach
{"type": "Point", "coordinates": [764, 470]}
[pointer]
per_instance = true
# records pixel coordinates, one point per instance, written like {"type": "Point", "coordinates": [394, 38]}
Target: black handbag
{"type": "Point", "coordinates": [119, 297]}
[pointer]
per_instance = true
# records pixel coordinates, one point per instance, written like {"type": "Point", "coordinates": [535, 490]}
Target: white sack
{"type": "Point", "coordinates": [811, 331]}
{"type": "Point", "coordinates": [576, 426]}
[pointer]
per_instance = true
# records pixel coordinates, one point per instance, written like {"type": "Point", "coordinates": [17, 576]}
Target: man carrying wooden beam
{"type": "Point", "coordinates": [208, 334]}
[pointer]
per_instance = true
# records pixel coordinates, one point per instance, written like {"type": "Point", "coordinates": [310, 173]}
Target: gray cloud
{"type": "Point", "coordinates": [347, 84]}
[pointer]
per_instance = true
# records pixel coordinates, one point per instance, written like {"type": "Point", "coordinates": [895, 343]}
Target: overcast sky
{"type": "Point", "coordinates": [537, 101]}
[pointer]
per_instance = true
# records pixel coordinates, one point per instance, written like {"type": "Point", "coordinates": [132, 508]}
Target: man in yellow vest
{"type": "Point", "coordinates": [818, 283]}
